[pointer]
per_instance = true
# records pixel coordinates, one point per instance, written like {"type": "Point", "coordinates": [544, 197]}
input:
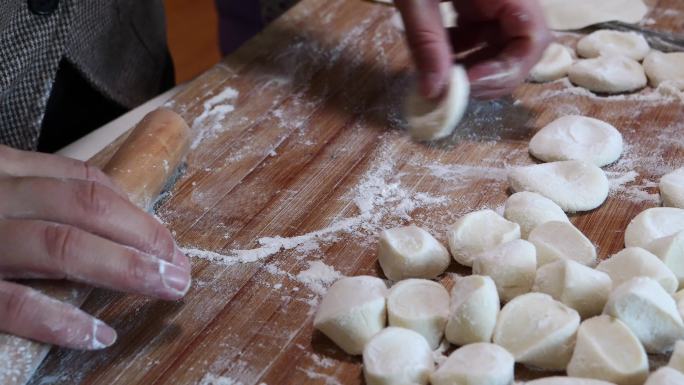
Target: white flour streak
{"type": "Point", "coordinates": [327, 380]}
{"type": "Point", "coordinates": [216, 108]}
{"type": "Point", "coordinates": [318, 277]}
{"type": "Point", "coordinates": [212, 379]}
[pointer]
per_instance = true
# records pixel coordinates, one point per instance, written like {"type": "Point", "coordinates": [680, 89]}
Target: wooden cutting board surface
{"type": "Point", "coordinates": [303, 162]}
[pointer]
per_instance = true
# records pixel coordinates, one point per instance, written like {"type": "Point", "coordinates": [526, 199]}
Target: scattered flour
{"type": "Point", "coordinates": [318, 277]}
{"type": "Point", "coordinates": [661, 95]}
{"type": "Point", "coordinates": [327, 379]}
{"type": "Point", "coordinates": [212, 379]}
{"type": "Point", "coordinates": [208, 123]}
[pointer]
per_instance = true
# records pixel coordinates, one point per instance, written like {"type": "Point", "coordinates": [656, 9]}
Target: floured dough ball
{"type": "Point", "coordinates": [575, 285]}
{"type": "Point", "coordinates": [411, 252]}
{"type": "Point", "coordinates": [567, 381]}
{"type": "Point", "coordinates": [607, 42]}
{"type": "Point", "coordinates": [576, 137]}
{"type": "Point", "coordinates": [511, 265]}
{"type": "Point", "coordinates": [561, 240]}
{"type": "Point", "coordinates": [577, 14]}
{"type": "Point", "coordinates": [479, 231]}
{"type": "Point", "coordinates": [670, 250]}
{"type": "Point", "coordinates": [420, 305]}
{"type": "Point", "coordinates": [436, 119]}
{"type": "Point", "coordinates": [652, 224]}
{"type": "Point", "coordinates": [608, 74]}
{"type": "Point", "coordinates": [352, 312]}
{"type": "Point", "coordinates": [606, 349]}
{"type": "Point", "coordinates": [573, 185]}
{"type": "Point", "coordinates": [672, 188]}
{"type": "Point", "coordinates": [636, 262]}
{"type": "Point", "coordinates": [476, 364]}
{"type": "Point", "coordinates": [473, 310]}
{"type": "Point", "coordinates": [643, 305]}
{"type": "Point", "coordinates": [553, 65]}
{"type": "Point", "coordinates": [538, 331]}
{"type": "Point", "coordinates": [397, 356]}
{"type": "Point", "coordinates": [530, 210]}
{"type": "Point", "coordinates": [665, 376]}
{"type": "Point", "coordinates": [662, 67]}
{"type": "Point", "coordinates": [677, 358]}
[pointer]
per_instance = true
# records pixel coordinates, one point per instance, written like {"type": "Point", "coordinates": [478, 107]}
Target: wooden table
{"type": "Point", "coordinates": [314, 152]}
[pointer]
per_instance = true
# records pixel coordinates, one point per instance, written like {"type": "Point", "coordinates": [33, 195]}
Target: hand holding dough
{"type": "Point", "coordinates": [473, 310]}
{"type": "Point", "coordinates": [476, 364]}
{"type": "Point", "coordinates": [607, 42]}
{"type": "Point", "coordinates": [530, 210]}
{"type": "Point", "coordinates": [411, 252]}
{"type": "Point", "coordinates": [397, 356]}
{"type": "Point", "coordinates": [479, 231]}
{"type": "Point", "coordinates": [561, 240]}
{"type": "Point", "coordinates": [511, 265]}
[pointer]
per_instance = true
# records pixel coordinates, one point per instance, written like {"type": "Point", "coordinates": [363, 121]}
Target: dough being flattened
{"type": "Point", "coordinates": [573, 185]}
{"type": "Point", "coordinates": [432, 120]}
{"type": "Point", "coordinates": [610, 43]}
{"type": "Point", "coordinates": [576, 137]}
{"type": "Point", "coordinates": [608, 74]}
{"type": "Point", "coordinates": [577, 14]}
{"type": "Point", "coordinates": [553, 65]}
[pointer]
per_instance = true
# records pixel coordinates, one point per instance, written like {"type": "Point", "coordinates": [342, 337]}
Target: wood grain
{"type": "Point", "coordinates": [315, 128]}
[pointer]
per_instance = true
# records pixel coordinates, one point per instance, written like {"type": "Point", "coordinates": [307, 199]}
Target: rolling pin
{"type": "Point", "coordinates": [141, 167]}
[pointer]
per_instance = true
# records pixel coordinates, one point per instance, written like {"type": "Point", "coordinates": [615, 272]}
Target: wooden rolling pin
{"type": "Point", "coordinates": [141, 167]}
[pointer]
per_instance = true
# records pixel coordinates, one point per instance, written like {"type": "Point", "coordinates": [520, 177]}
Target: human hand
{"type": "Point", "coordinates": [63, 219]}
{"type": "Point", "coordinates": [499, 41]}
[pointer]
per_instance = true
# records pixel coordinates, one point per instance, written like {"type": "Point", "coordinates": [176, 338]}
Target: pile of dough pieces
{"type": "Point", "coordinates": [612, 62]}
{"type": "Point", "coordinates": [538, 295]}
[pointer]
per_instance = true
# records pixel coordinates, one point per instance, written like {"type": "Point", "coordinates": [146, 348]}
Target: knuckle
{"type": "Point", "coordinates": [94, 174]}
{"type": "Point", "coordinates": [61, 242]}
{"type": "Point", "coordinates": [17, 303]}
{"type": "Point", "coordinates": [93, 198]}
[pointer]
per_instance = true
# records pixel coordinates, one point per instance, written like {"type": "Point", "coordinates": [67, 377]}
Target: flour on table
{"type": "Point", "coordinates": [212, 379]}
{"type": "Point", "coordinates": [318, 277]}
{"type": "Point", "coordinates": [208, 123]}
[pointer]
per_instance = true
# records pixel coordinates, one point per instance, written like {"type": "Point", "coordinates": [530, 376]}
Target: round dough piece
{"type": "Point", "coordinates": [652, 315]}
{"type": "Point", "coordinates": [352, 312]}
{"type": "Point", "coordinates": [576, 137]}
{"type": "Point", "coordinates": [561, 240]}
{"type": "Point", "coordinates": [637, 262]}
{"type": "Point", "coordinates": [575, 285]}
{"type": "Point", "coordinates": [607, 350]}
{"type": "Point", "coordinates": [577, 14]}
{"type": "Point", "coordinates": [670, 250]}
{"type": "Point", "coordinates": [397, 356]}
{"type": "Point", "coordinates": [530, 210]}
{"type": "Point", "coordinates": [608, 42]}
{"type": "Point", "coordinates": [652, 224]}
{"type": "Point", "coordinates": [511, 265]}
{"type": "Point", "coordinates": [411, 252]}
{"type": "Point", "coordinates": [672, 188]}
{"type": "Point", "coordinates": [665, 376]}
{"type": "Point", "coordinates": [479, 231]}
{"type": "Point", "coordinates": [420, 305]}
{"type": "Point", "coordinates": [538, 331]}
{"type": "Point", "coordinates": [432, 120]}
{"type": "Point", "coordinates": [608, 74]}
{"type": "Point", "coordinates": [476, 364]}
{"type": "Point", "coordinates": [567, 381]}
{"type": "Point", "coordinates": [573, 185]}
{"type": "Point", "coordinates": [662, 67]}
{"type": "Point", "coordinates": [677, 357]}
{"type": "Point", "coordinates": [553, 65]}
{"type": "Point", "coordinates": [473, 310]}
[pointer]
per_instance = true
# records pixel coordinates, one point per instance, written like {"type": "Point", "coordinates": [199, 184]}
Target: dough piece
{"type": "Point", "coordinates": [662, 67]}
{"type": "Point", "coordinates": [538, 331]}
{"type": "Point", "coordinates": [479, 231]}
{"type": "Point", "coordinates": [577, 14]}
{"type": "Point", "coordinates": [576, 137]}
{"type": "Point", "coordinates": [679, 300]}
{"type": "Point", "coordinates": [561, 240]}
{"type": "Point", "coordinates": [643, 305]}
{"type": "Point", "coordinates": [530, 210]}
{"type": "Point", "coordinates": [567, 381]}
{"type": "Point", "coordinates": [575, 285]}
{"type": "Point", "coordinates": [573, 185]}
{"type": "Point", "coordinates": [652, 224]}
{"type": "Point", "coordinates": [432, 120]}
{"type": "Point", "coordinates": [608, 74]}
{"type": "Point", "coordinates": [397, 356]}
{"type": "Point", "coordinates": [473, 310]}
{"type": "Point", "coordinates": [476, 364]}
{"type": "Point", "coordinates": [637, 262]}
{"type": "Point", "coordinates": [677, 357]}
{"type": "Point", "coordinates": [352, 312]}
{"type": "Point", "coordinates": [512, 266]}
{"type": "Point", "coordinates": [607, 350]}
{"type": "Point", "coordinates": [670, 250]}
{"type": "Point", "coordinates": [411, 252]}
{"type": "Point", "coordinates": [607, 42]}
{"type": "Point", "coordinates": [665, 376]}
{"type": "Point", "coordinates": [553, 65]}
{"type": "Point", "coordinates": [672, 187]}
{"type": "Point", "coordinates": [420, 305]}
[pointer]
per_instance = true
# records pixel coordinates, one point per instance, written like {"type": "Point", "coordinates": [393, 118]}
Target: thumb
{"type": "Point", "coordinates": [429, 44]}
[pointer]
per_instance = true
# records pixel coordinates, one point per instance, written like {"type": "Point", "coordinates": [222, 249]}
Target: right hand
{"type": "Point", "coordinates": [64, 219]}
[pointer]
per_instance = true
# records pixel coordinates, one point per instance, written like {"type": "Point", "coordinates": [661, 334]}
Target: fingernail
{"type": "Point", "coordinates": [180, 259]}
{"type": "Point", "coordinates": [432, 85]}
{"type": "Point", "coordinates": [103, 335]}
{"type": "Point", "coordinates": [175, 279]}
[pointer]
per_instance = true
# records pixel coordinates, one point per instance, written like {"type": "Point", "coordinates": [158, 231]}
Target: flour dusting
{"type": "Point", "coordinates": [215, 109]}
{"type": "Point", "coordinates": [318, 277]}
{"type": "Point", "coordinates": [212, 379]}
